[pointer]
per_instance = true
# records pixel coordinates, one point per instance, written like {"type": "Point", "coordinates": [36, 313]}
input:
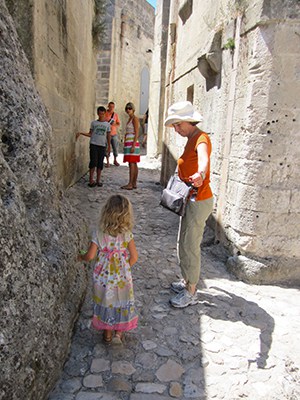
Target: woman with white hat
{"type": "Point", "coordinates": [193, 167]}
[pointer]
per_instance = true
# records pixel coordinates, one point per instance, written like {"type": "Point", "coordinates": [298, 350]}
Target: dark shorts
{"type": "Point", "coordinates": [97, 154]}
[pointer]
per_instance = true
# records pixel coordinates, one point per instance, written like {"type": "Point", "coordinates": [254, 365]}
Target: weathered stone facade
{"type": "Point", "coordinates": [57, 39]}
{"type": "Point", "coordinates": [124, 59]}
{"type": "Point", "coordinates": [42, 286]}
{"type": "Point", "coordinates": [241, 70]}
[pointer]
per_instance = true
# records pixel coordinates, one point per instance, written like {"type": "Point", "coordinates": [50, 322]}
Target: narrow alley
{"type": "Point", "coordinates": [238, 342]}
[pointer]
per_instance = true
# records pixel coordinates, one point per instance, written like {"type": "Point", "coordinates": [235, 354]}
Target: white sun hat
{"type": "Point", "coordinates": [182, 111]}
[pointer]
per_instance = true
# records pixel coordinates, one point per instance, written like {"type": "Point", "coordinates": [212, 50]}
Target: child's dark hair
{"type": "Point", "coordinates": [116, 216]}
{"type": "Point", "coordinates": [101, 108]}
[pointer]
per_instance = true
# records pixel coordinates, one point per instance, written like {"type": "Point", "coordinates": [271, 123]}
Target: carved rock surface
{"type": "Point", "coordinates": [41, 283]}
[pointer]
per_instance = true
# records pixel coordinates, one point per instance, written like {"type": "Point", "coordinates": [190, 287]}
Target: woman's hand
{"type": "Point", "coordinates": [132, 149]}
{"type": "Point", "coordinates": [197, 179]}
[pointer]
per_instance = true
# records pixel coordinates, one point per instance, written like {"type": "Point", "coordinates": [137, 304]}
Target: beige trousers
{"type": "Point", "coordinates": [190, 235]}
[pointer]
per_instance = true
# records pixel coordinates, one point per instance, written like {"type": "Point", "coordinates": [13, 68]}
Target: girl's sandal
{"type": "Point", "coordinates": [107, 336]}
{"type": "Point", "coordinates": [118, 338]}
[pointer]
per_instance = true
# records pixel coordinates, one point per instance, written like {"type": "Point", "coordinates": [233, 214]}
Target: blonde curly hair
{"type": "Point", "coordinates": [116, 216]}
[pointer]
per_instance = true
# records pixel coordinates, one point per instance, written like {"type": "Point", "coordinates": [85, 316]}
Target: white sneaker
{"type": "Point", "coordinates": [178, 287]}
{"type": "Point", "coordinates": [184, 299]}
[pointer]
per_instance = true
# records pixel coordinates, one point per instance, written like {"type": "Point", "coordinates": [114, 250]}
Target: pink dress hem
{"type": "Point", "coordinates": [128, 326]}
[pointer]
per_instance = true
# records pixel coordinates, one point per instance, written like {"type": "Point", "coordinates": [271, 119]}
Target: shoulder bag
{"type": "Point", "coordinates": [176, 195]}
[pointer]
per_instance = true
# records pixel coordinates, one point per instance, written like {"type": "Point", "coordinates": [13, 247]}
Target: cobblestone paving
{"type": "Point", "coordinates": [240, 342]}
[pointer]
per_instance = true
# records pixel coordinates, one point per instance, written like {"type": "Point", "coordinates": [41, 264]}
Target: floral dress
{"type": "Point", "coordinates": [112, 283]}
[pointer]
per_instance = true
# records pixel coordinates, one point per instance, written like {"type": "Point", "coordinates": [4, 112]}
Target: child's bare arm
{"type": "Point", "coordinates": [88, 134]}
{"type": "Point", "coordinates": [132, 252]}
{"type": "Point", "coordinates": [90, 254]}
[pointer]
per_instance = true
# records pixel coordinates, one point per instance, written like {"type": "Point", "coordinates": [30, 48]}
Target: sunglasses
{"type": "Point", "coordinates": [128, 108]}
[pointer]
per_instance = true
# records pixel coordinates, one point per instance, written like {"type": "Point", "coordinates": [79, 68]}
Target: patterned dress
{"type": "Point", "coordinates": [129, 137]}
{"type": "Point", "coordinates": [113, 288]}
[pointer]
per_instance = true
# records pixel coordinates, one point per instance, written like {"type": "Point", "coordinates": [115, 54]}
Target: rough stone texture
{"type": "Point", "coordinates": [57, 39]}
{"type": "Point", "coordinates": [169, 371]}
{"type": "Point", "coordinates": [99, 365]}
{"type": "Point", "coordinates": [122, 367]}
{"type": "Point", "coordinates": [247, 269]}
{"type": "Point", "coordinates": [175, 389]}
{"type": "Point", "coordinates": [124, 55]}
{"type": "Point", "coordinates": [92, 381]}
{"type": "Point", "coordinates": [150, 388]}
{"type": "Point", "coordinates": [251, 110]}
{"type": "Point", "coordinates": [41, 283]}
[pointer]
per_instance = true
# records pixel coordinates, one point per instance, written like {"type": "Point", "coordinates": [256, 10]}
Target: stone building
{"type": "Point", "coordinates": [239, 63]}
{"type": "Point", "coordinates": [124, 59]}
{"type": "Point", "coordinates": [57, 39]}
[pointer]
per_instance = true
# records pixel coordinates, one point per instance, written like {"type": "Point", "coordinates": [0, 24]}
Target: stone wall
{"type": "Point", "coordinates": [241, 70]}
{"type": "Point", "coordinates": [57, 39]}
{"type": "Point", "coordinates": [42, 286]}
{"type": "Point", "coordinates": [126, 50]}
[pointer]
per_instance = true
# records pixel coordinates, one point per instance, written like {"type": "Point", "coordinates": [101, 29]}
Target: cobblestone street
{"type": "Point", "coordinates": [239, 342]}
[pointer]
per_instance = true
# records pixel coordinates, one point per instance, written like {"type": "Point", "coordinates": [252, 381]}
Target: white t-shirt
{"type": "Point", "coordinates": [99, 131]}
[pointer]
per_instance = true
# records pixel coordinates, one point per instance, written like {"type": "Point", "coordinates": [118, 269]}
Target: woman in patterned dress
{"type": "Point", "coordinates": [114, 246]}
{"type": "Point", "coordinates": [131, 147]}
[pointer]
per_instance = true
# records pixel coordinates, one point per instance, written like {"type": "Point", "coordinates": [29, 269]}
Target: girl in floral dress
{"type": "Point", "coordinates": [115, 251]}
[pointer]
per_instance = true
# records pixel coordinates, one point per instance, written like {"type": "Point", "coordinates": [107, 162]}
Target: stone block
{"type": "Point", "coordinates": [246, 269]}
{"type": "Point", "coordinates": [251, 172]}
{"type": "Point", "coordinates": [253, 271]}
{"type": "Point", "coordinates": [169, 371]}
{"type": "Point", "coordinates": [285, 225]}
{"type": "Point", "coordinates": [295, 201]}
{"type": "Point", "coordinates": [240, 242]}
{"type": "Point", "coordinates": [92, 381]}
{"type": "Point", "coordinates": [284, 39]}
{"type": "Point", "coordinates": [246, 221]}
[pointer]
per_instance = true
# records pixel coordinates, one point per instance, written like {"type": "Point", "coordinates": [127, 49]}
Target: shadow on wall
{"type": "Point", "coordinates": [168, 165]}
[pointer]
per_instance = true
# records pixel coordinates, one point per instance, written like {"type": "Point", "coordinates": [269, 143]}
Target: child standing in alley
{"type": "Point", "coordinates": [99, 135]}
{"type": "Point", "coordinates": [114, 246]}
